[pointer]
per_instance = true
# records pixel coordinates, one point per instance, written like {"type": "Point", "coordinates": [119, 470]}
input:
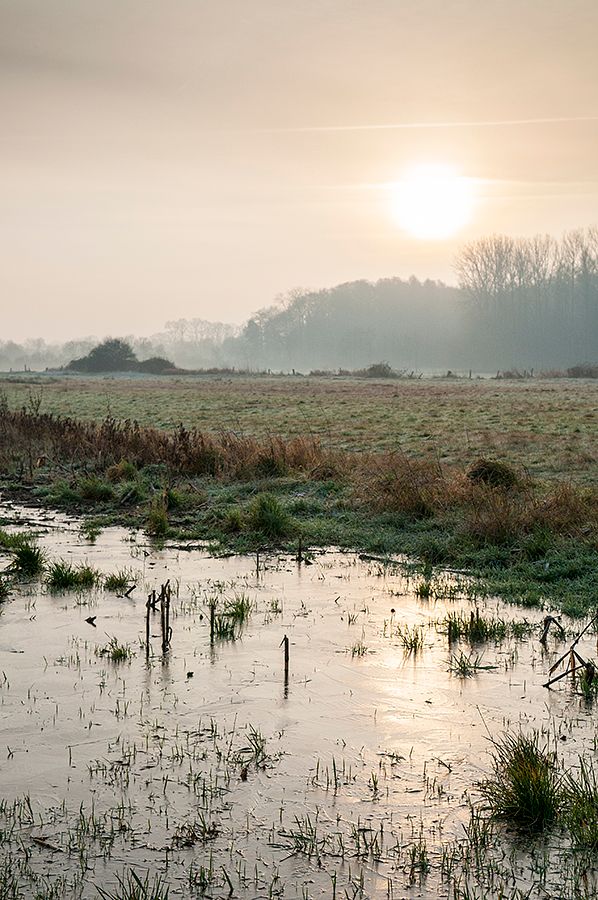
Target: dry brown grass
{"type": "Point", "coordinates": [113, 447]}
{"type": "Point", "coordinates": [393, 482]}
{"type": "Point", "coordinates": [566, 510]}
{"type": "Point", "coordinates": [384, 482]}
{"type": "Point", "coordinates": [547, 427]}
{"type": "Point", "coordinates": [493, 515]}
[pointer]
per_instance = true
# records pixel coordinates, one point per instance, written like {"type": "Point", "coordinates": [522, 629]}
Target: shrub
{"type": "Point", "coordinates": [377, 370]}
{"type": "Point", "coordinates": [112, 355]}
{"type": "Point", "coordinates": [156, 365]}
{"type": "Point", "coordinates": [583, 370]}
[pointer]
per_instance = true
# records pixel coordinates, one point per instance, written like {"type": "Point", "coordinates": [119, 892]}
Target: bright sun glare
{"type": "Point", "coordinates": [432, 202]}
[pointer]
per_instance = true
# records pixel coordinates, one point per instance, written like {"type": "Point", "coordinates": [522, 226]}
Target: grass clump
{"type": "Point", "coordinates": [131, 492]}
{"type": "Point", "coordinates": [10, 540]}
{"type": "Point", "coordinates": [478, 629]}
{"type": "Point", "coordinates": [132, 887]}
{"type": "Point", "coordinates": [405, 486]}
{"type": "Point", "coordinates": [466, 665]}
{"type": "Point", "coordinates": [28, 560]}
{"type": "Point", "coordinates": [229, 622]}
{"type": "Point", "coordinates": [225, 628]}
{"type": "Point", "coordinates": [494, 473]}
{"type": "Point", "coordinates": [95, 490]}
{"type": "Point", "coordinates": [114, 651]}
{"type": "Point", "coordinates": [411, 638]}
{"type": "Point", "coordinates": [267, 516]}
{"type": "Point", "coordinates": [64, 576]}
{"type": "Point", "coordinates": [90, 531]}
{"type": "Point", "coordinates": [118, 581]}
{"type": "Point", "coordinates": [121, 471]}
{"type": "Point", "coordinates": [232, 522]}
{"type": "Point", "coordinates": [526, 786]}
{"type": "Point", "coordinates": [238, 608]}
{"type": "Point", "coordinates": [157, 524]}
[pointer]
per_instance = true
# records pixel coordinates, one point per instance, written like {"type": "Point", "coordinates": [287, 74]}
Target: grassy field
{"type": "Point", "coordinates": [390, 468]}
{"type": "Point", "coordinates": [548, 427]}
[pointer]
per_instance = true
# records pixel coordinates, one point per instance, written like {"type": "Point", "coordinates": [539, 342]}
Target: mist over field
{"type": "Point", "coordinates": [520, 305]}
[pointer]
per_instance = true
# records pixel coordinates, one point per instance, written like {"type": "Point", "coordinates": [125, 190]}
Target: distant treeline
{"type": "Point", "coordinates": [520, 304]}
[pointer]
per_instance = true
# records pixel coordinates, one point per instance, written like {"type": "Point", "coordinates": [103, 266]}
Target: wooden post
{"type": "Point", "coordinates": [148, 607]}
{"type": "Point", "coordinates": [167, 593]}
{"type": "Point", "coordinates": [163, 618]}
{"type": "Point", "coordinates": [285, 645]}
{"type": "Point", "coordinates": [212, 620]}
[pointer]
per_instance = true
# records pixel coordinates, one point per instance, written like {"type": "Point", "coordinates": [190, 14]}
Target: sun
{"type": "Point", "coordinates": [432, 202]}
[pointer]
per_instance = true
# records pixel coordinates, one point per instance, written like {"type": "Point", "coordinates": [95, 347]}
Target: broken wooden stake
{"type": "Point", "coordinates": [575, 662]}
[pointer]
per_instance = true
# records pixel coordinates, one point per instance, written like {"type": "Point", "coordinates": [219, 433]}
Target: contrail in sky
{"type": "Point", "coordinates": [407, 126]}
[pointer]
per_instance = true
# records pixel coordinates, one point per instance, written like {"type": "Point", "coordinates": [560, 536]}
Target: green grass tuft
{"type": "Point", "coordinates": [526, 786]}
{"type": "Point", "coordinates": [157, 524]}
{"type": "Point", "coordinates": [95, 490]}
{"type": "Point", "coordinates": [118, 581]}
{"type": "Point", "coordinates": [116, 652]}
{"type": "Point", "coordinates": [64, 576]}
{"type": "Point", "coordinates": [29, 560]}
{"type": "Point", "coordinates": [267, 516]}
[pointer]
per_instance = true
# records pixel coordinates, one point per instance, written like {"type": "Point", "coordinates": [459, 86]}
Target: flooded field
{"type": "Point", "coordinates": [205, 772]}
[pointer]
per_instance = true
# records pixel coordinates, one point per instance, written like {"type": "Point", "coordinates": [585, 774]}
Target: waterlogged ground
{"type": "Point", "coordinates": [357, 778]}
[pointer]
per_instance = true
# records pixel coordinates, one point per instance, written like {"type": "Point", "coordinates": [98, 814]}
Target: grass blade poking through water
{"type": "Point", "coordinates": [581, 810]}
{"type": "Point", "coordinates": [132, 887]}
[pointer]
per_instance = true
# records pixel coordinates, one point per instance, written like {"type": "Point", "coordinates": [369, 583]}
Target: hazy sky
{"type": "Point", "coordinates": [167, 159]}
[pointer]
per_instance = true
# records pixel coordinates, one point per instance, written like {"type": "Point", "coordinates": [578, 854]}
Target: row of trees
{"type": "Point", "coordinates": [520, 303]}
{"type": "Point", "coordinates": [533, 298]}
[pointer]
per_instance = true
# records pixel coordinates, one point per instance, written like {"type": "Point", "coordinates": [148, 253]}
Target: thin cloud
{"type": "Point", "coordinates": [408, 126]}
